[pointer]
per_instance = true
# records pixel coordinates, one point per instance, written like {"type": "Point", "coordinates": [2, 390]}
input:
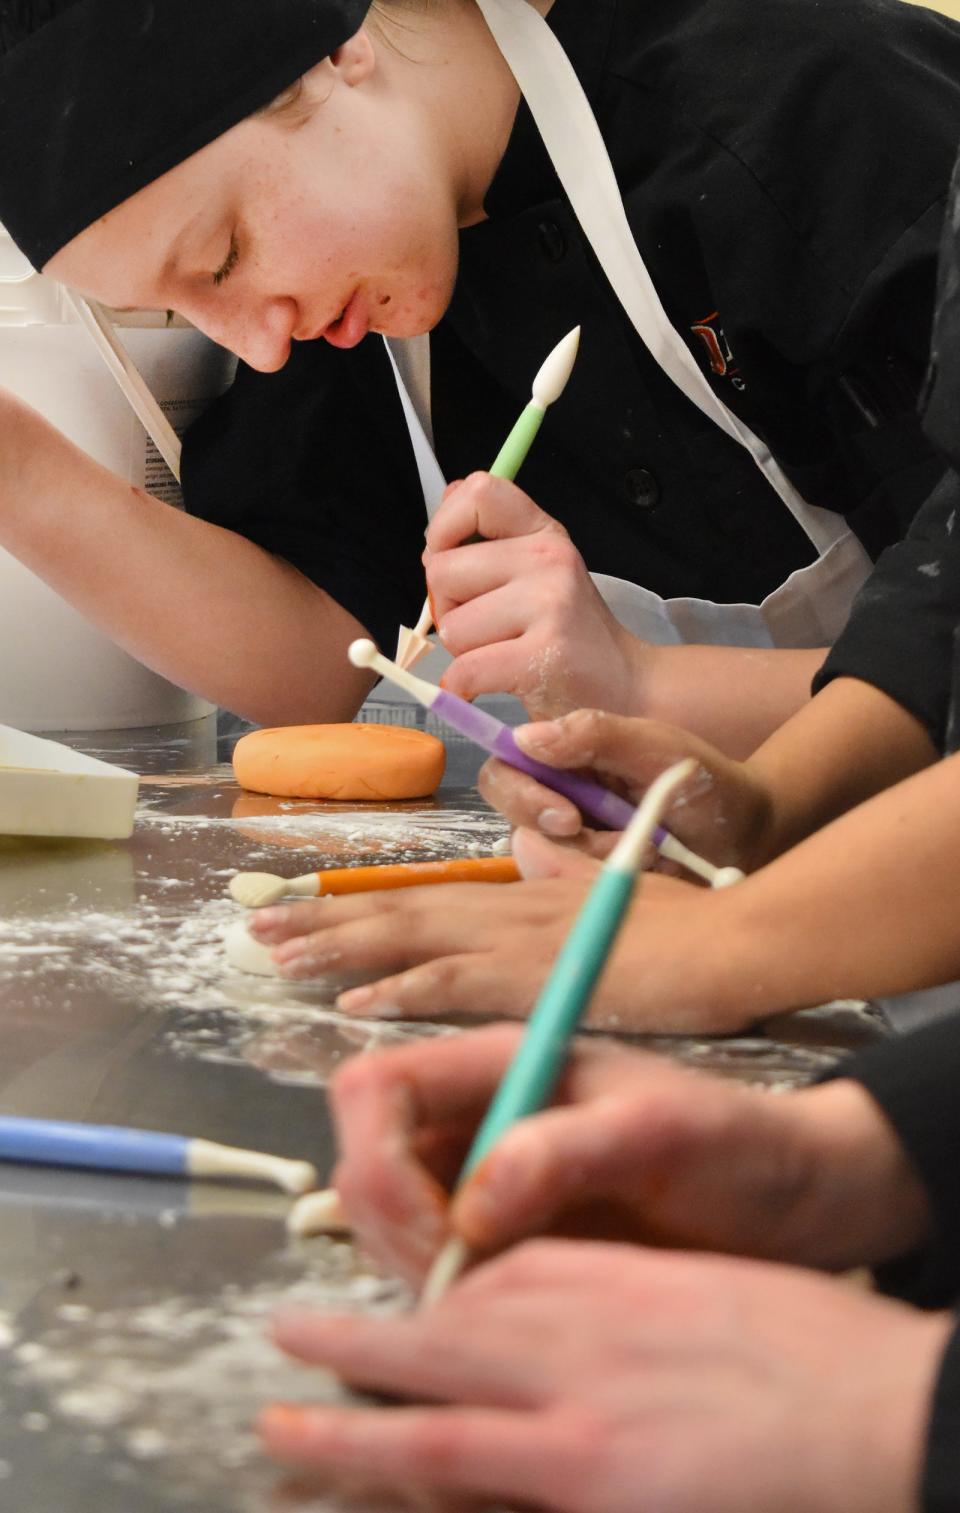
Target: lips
{"type": "Point", "coordinates": [351, 326]}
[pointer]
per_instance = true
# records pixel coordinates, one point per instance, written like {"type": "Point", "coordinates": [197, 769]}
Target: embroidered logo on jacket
{"type": "Point", "coordinates": [719, 354]}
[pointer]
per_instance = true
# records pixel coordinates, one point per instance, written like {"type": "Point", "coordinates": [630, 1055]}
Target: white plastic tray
{"type": "Point", "coordinates": [47, 789]}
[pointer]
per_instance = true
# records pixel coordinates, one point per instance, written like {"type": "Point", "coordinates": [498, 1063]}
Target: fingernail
{"type": "Point", "coordinates": [558, 822]}
{"type": "Point", "coordinates": [385, 1010]}
{"type": "Point", "coordinates": [475, 1211]}
{"type": "Point", "coordinates": [282, 1419]}
{"type": "Point", "coordinates": [539, 736]}
{"type": "Point", "coordinates": [287, 1322]}
{"type": "Point", "coordinates": [356, 999]}
{"type": "Point", "coordinates": [267, 919]}
{"type": "Point", "coordinates": [302, 967]}
{"type": "Point", "coordinates": [290, 950]}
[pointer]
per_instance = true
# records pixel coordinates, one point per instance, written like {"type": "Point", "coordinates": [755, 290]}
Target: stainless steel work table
{"type": "Point", "coordinates": [132, 1310]}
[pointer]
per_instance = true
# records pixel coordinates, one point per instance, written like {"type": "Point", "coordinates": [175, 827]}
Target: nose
{"type": "Point", "coordinates": [259, 334]}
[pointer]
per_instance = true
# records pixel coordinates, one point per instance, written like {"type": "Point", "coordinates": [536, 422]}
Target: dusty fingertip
{"type": "Point", "coordinates": [281, 1422]}
{"type": "Point", "coordinates": [527, 848]}
{"type": "Point", "coordinates": [356, 1000]}
{"type": "Point", "coordinates": [265, 921]}
{"type": "Point", "coordinates": [382, 1009]}
{"type": "Point", "coordinates": [286, 1324]}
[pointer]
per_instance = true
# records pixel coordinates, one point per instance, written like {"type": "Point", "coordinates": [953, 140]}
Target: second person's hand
{"type": "Point", "coordinates": [722, 812]}
{"type": "Point", "coordinates": [633, 1148]}
{"type": "Point", "coordinates": [482, 951]}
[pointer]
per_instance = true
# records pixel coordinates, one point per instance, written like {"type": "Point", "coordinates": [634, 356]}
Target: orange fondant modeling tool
{"type": "Point", "coordinates": [257, 889]}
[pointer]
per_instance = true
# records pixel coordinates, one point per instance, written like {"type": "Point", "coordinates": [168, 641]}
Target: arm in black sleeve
{"type": "Point", "coordinates": [941, 1472]}
{"type": "Point", "coordinates": [900, 633]}
{"type": "Point", "coordinates": [869, 384]}
{"type": "Point", "coordinates": [828, 303]}
{"type": "Point", "coordinates": [915, 1079]}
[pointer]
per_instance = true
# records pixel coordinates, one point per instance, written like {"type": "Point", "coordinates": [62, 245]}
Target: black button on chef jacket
{"type": "Point", "coordinates": [784, 165]}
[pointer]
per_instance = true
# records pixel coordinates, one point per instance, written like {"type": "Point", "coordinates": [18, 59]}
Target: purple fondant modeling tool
{"type": "Point", "coordinates": [598, 803]}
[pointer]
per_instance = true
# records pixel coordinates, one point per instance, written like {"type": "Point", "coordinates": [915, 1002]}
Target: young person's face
{"type": "Point", "coordinates": [280, 232]}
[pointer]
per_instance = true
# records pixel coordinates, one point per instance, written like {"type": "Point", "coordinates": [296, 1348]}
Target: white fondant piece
{"type": "Point", "coordinates": [245, 954]}
{"type": "Point", "coordinates": [47, 789]}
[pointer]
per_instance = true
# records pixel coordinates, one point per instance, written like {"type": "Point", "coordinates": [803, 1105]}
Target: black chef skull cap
{"type": "Point", "coordinates": [108, 95]}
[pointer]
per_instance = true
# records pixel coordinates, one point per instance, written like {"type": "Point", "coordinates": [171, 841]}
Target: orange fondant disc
{"type": "Point", "coordinates": [345, 762]}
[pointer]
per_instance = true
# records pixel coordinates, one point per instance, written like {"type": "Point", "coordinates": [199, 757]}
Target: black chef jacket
{"type": "Point", "coordinates": [914, 1080]}
{"type": "Point", "coordinates": [904, 630]}
{"type": "Point", "coordinates": [784, 165]}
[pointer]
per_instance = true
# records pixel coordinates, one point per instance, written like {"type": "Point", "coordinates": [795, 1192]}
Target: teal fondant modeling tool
{"type": "Point", "coordinates": [531, 1077]}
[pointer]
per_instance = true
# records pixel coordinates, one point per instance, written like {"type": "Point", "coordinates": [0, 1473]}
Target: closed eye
{"type": "Point", "coordinates": [229, 262]}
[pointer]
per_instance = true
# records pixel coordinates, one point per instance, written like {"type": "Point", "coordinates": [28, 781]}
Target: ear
{"type": "Point", "coordinates": [356, 60]}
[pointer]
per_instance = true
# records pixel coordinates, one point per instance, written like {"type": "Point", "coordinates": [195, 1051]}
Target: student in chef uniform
{"type": "Point", "coordinates": [739, 437]}
{"type": "Point", "coordinates": [845, 815]}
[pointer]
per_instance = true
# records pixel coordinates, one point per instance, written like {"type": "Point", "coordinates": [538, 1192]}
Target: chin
{"type": "Point", "coordinates": [414, 324]}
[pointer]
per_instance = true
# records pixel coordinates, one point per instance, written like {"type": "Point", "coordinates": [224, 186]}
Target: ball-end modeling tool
{"type": "Point", "coordinates": [108, 1147]}
{"type": "Point", "coordinates": [492, 735]}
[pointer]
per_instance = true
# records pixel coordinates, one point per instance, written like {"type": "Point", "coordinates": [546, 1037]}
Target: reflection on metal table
{"type": "Point", "coordinates": [132, 1310]}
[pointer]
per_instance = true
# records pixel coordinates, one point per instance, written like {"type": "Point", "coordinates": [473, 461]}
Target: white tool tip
{"type": "Point", "coordinates": [254, 890]}
{"type": "Point", "coordinates": [411, 646]}
{"type": "Point", "coordinates": [553, 377]}
{"type": "Point", "coordinates": [296, 1176]}
{"type": "Point", "coordinates": [725, 877]}
{"type": "Point", "coordinates": [413, 652]}
{"type": "Point", "coordinates": [444, 1272]}
{"type": "Point", "coordinates": [362, 652]}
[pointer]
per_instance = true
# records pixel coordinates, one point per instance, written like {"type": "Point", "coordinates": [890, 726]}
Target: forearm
{"type": "Point", "coordinates": [866, 907]}
{"type": "Point", "coordinates": [198, 604]}
{"type": "Point", "coordinates": [846, 745]}
{"type": "Point", "coordinates": [733, 696]}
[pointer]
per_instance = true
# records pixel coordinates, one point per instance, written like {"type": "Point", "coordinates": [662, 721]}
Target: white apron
{"type": "Point", "coordinates": [811, 607]}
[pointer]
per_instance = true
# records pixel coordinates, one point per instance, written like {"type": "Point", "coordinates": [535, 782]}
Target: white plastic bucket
{"type": "Point", "coordinates": [57, 672]}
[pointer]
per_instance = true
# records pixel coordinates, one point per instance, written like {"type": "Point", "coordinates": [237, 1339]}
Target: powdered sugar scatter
{"type": "Point", "coordinates": [442, 832]}
{"type": "Point", "coordinates": [180, 1380]}
{"type": "Point", "coordinates": [143, 924]}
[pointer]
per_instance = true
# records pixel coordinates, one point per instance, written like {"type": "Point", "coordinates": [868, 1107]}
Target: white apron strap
{"type": "Point", "coordinates": [566, 123]}
{"type": "Point", "coordinates": [410, 359]}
